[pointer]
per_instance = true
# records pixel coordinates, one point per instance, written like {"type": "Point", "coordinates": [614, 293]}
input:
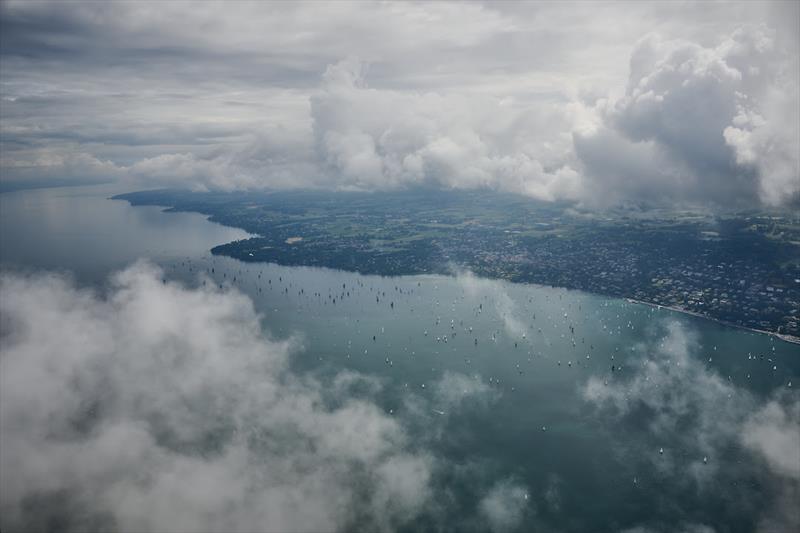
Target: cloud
{"type": "Point", "coordinates": [766, 139]}
{"type": "Point", "coordinates": [48, 169]}
{"type": "Point", "coordinates": [377, 138]}
{"type": "Point", "coordinates": [504, 506]}
{"type": "Point", "coordinates": [690, 125]}
{"type": "Point", "coordinates": [671, 391]}
{"type": "Point", "coordinates": [454, 390]}
{"type": "Point", "coordinates": [161, 408]}
{"type": "Point", "coordinates": [675, 104]}
{"type": "Point", "coordinates": [774, 433]}
{"type": "Point", "coordinates": [504, 306]}
{"type": "Point", "coordinates": [692, 417]}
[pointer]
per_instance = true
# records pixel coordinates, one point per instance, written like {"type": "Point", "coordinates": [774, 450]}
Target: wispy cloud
{"type": "Point", "coordinates": [505, 505]}
{"type": "Point", "coordinates": [694, 419]}
{"type": "Point", "coordinates": [497, 299]}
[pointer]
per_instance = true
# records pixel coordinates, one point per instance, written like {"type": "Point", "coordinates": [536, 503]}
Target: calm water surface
{"type": "Point", "coordinates": [77, 229]}
{"type": "Point", "coordinates": [559, 364]}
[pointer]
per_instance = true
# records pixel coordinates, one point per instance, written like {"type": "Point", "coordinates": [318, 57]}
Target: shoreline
{"type": "Point", "coordinates": [782, 336]}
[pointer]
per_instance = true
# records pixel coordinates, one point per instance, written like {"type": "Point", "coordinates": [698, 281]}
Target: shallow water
{"type": "Point", "coordinates": [558, 366]}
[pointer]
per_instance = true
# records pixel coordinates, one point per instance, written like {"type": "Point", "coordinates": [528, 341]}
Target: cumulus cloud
{"type": "Point", "coordinates": [691, 126]}
{"type": "Point", "coordinates": [160, 408]}
{"type": "Point", "coordinates": [365, 138]}
{"type": "Point", "coordinates": [401, 95]}
{"type": "Point", "coordinates": [766, 138]}
{"type": "Point", "coordinates": [377, 138]}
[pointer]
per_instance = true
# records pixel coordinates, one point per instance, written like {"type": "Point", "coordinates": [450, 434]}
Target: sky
{"type": "Point", "coordinates": [598, 103]}
{"type": "Point", "coordinates": [111, 398]}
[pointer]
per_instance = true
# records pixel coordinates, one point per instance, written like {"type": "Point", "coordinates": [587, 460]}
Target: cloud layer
{"type": "Point", "coordinates": [156, 407]}
{"type": "Point", "coordinates": [676, 104]}
{"type": "Point", "coordinates": [162, 408]}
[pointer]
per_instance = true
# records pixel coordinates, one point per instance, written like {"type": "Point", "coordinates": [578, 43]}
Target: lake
{"type": "Point", "coordinates": [590, 403]}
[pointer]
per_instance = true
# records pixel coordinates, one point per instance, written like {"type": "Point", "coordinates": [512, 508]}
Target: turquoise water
{"type": "Point", "coordinates": [554, 368]}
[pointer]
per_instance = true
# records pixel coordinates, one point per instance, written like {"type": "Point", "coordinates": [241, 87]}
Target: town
{"type": "Point", "coordinates": [742, 268]}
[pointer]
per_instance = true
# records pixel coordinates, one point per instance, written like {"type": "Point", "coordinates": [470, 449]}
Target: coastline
{"type": "Point", "coordinates": [167, 208]}
{"type": "Point", "coordinates": [782, 336]}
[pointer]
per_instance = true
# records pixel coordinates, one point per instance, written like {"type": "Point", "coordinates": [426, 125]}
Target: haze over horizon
{"type": "Point", "coordinates": [597, 103]}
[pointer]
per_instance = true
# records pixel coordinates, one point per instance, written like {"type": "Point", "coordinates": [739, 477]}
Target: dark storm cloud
{"type": "Point", "coordinates": [542, 99]}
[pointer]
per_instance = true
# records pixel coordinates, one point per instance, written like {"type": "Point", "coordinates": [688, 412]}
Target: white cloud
{"type": "Point", "coordinates": [691, 124]}
{"type": "Point", "coordinates": [774, 433]}
{"type": "Point", "coordinates": [688, 411]}
{"type": "Point", "coordinates": [675, 387]}
{"type": "Point", "coordinates": [691, 414]}
{"type": "Point", "coordinates": [253, 96]}
{"type": "Point", "coordinates": [767, 138]}
{"type": "Point", "coordinates": [162, 408]}
{"type": "Point", "coordinates": [505, 307]}
{"type": "Point", "coordinates": [505, 506]}
{"type": "Point", "coordinates": [377, 138]}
